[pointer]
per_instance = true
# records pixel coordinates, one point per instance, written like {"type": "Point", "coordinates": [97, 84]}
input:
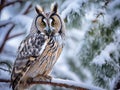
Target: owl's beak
{"type": "Point", "coordinates": [48, 30]}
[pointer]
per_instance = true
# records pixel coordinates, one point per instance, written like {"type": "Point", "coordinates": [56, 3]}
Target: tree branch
{"type": "Point", "coordinates": [13, 2]}
{"type": "Point", "coordinates": [6, 36]}
{"type": "Point", "coordinates": [62, 83]}
{"type": "Point", "coordinates": [2, 24]}
{"type": "Point", "coordinates": [106, 2]}
{"type": "Point", "coordinates": [5, 3]}
{"type": "Point", "coordinates": [27, 8]}
{"type": "Point", "coordinates": [4, 69]}
{"type": "Point", "coordinates": [16, 35]}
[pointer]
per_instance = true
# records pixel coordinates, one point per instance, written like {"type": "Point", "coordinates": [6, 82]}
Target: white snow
{"type": "Point", "coordinates": [27, 4]}
{"type": "Point", "coordinates": [4, 75]}
{"type": "Point", "coordinates": [71, 7]}
{"type": "Point", "coordinates": [105, 55]}
{"type": "Point", "coordinates": [77, 84]}
{"type": "Point", "coordinates": [3, 32]}
{"type": "Point", "coordinates": [113, 4]}
{"type": "Point", "coordinates": [23, 20]}
{"type": "Point", "coordinates": [114, 81]}
{"type": "Point", "coordinates": [3, 22]}
{"type": "Point", "coordinates": [113, 47]}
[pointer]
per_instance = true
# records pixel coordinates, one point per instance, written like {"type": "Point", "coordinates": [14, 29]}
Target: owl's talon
{"type": "Point", "coordinates": [29, 80]}
{"type": "Point", "coordinates": [48, 77]}
{"type": "Point", "coordinates": [24, 83]}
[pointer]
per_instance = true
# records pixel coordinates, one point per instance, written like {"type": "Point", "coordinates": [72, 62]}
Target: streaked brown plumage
{"type": "Point", "coordinates": [39, 51]}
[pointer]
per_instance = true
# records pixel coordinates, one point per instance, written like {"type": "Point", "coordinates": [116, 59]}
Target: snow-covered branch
{"type": "Point", "coordinates": [4, 69]}
{"type": "Point", "coordinates": [12, 2]}
{"type": "Point", "coordinates": [11, 21]}
{"type": "Point", "coordinates": [27, 8]}
{"type": "Point", "coordinates": [62, 83]}
{"type": "Point", "coordinates": [4, 23]}
{"type": "Point", "coordinates": [16, 35]}
{"type": "Point", "coordinates": [6, 36]}
{"type": "Point", "coordinates": [4, 3]}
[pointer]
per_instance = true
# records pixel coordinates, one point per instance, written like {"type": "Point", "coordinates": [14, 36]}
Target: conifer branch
{"type": "Point", "coordinates": [62, 83]}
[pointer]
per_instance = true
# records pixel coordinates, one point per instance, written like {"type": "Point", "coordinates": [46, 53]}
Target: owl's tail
{"type": "Point", "coordinates": [16, 79]}
{"type": "Point", "coordinates": [15, 82]}
{"type": "Point", "coordinates": [22, 87]}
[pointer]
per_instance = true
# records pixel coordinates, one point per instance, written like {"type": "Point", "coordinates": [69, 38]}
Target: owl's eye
{"type": "Point", "coordinates": [43, 23]}
{"type": "Point", "coordinates": [53, 23]}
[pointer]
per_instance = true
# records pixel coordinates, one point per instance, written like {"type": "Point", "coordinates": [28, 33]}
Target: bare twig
{"type": "Point", "coordinates": [13, 2]}
{"type": "Point", "coordinates": [4, 23]}
{"type": "Point", "coordinates": [8, 37]}
{"type": "Point", "coordinates": [5, 4]}
{"type": "Point", "coordinates": [101, 13]}
{"type": "Point", "coordinates": [5, 69]}
{"type": "Point", "coordinates": [62, 83]}
{"type": "Point", "coordinates": [5, 80]}
{"type": "Point", "coordinates": [106, 2]}
{"type": "Point", "coordinates": [27, 9]}
{"type": "Point", "coordinates": [16, 35]}
{"type": "Point", "coordinates": [5, 39]}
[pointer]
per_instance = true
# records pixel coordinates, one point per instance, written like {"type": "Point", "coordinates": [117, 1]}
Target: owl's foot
{"type": "Point", "coordinates": [25, 83]}
{"type": "Point", "coordinates": [29, 80]}
{"type": "Point", "coordinates": [43, 78]}
{"type": "Point", "coordinates": [48, 78]}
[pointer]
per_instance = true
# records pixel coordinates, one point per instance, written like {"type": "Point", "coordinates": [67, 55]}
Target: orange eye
{"type": "Point", "coordinates": [53, 23]}
{"type": "Point", "coordinates": [43, 23]}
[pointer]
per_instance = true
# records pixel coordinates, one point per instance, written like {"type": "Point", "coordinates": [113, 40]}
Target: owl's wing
{"type": "Point", "coordinates": [29, 49]}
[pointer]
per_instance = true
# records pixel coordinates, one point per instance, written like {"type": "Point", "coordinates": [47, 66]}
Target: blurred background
{"type": "Point", "coordinates": [92, 47]}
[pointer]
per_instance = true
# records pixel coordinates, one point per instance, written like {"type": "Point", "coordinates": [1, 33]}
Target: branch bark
{"type": "Point", "coordinates": [6, 37]}
{"type": "Point", "coordinates": [2, 24]}
{"type": "Point", "coordinates": [27, 8]}
{"type": "Point", "coordinates": [62, 83]}
{"type": "Point", "coordinates": [13, 2]}
{"type": "Point", "coordinates": [5, 3]}
{"type": "Point", "coordinates": [4, 69]}
{"type": "Point", "coordinates": [16, 35]}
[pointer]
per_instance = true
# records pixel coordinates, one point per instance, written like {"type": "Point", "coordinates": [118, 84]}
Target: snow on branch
{"type": "Point", "coordinates": [11, 26]}
{"type": "Point", "coordinates": [26, 8]}
{"type": "Point", "coordinates": [4, 69]}
{"type": "Point", "coordinates": [62, 83]}
{"type": "Point", "coordinates": [16, 35]}
{"type": "Point", "coordinates": [12, 22]}
{"type": "Point", "coordinates": [12, 2]}
{"type": "Point", "coordinates": [4, 23]}
{"type": "Point", "coordinates": [5, 3]}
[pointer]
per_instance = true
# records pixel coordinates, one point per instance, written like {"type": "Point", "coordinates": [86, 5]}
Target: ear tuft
{"type": "Point", "coordinates": [54, 7]}
{"type": "Point", "coordinates": [39, 9]}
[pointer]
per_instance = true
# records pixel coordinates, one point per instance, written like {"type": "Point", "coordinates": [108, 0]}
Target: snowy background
{"type": "Point", "coordinates": [92, 48]}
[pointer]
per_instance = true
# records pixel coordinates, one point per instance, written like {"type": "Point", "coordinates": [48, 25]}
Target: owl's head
{"type": "Point", "coordinates": [49, 23]}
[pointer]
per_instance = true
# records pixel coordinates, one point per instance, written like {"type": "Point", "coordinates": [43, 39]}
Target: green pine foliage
{"type": "Point", "coordinates": [97, 39]}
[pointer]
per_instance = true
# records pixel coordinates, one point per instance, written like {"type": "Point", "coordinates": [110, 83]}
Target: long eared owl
{"type": "Point", "coordinates": [39, 51]}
